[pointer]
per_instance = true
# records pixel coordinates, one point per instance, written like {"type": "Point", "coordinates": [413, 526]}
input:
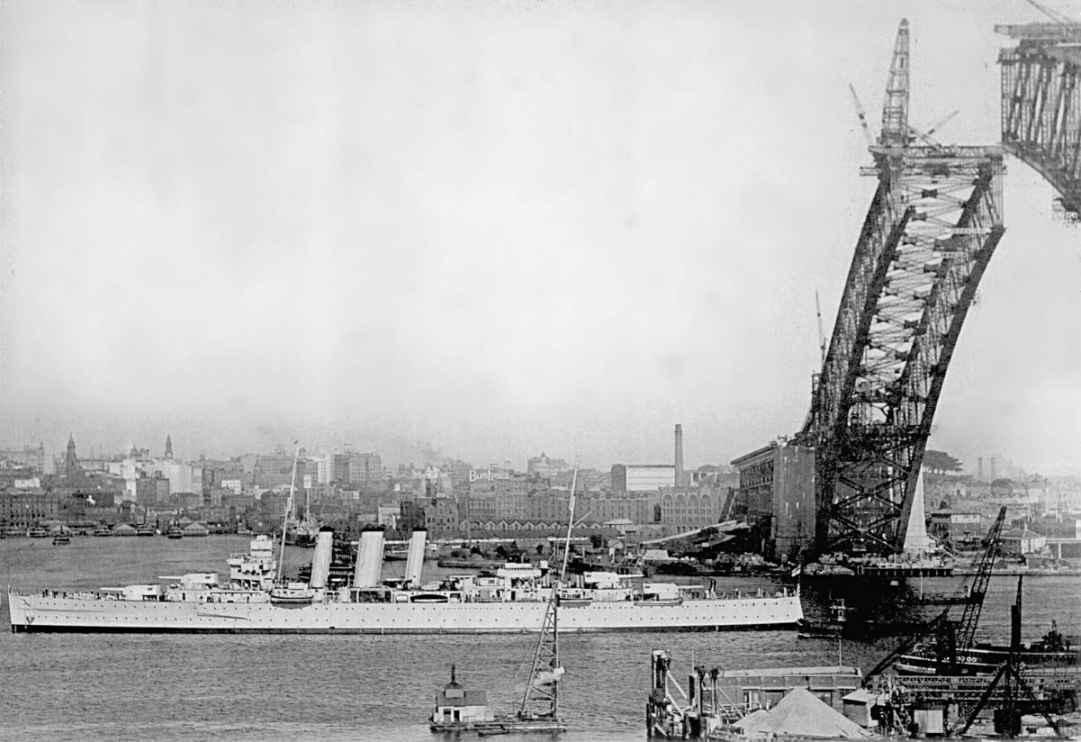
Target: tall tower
{"type": "Point", "coordinates": [71, 461]}
{"type": "Point", "coordinates": [168, 446]}
{"type": "Point", "coordinates": [679, 456]}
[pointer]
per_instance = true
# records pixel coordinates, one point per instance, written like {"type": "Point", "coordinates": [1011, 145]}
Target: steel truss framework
{"type": "Point", "coordinates": [1041, 105]}
{"type": "Point", "coordinates": [933, 224]}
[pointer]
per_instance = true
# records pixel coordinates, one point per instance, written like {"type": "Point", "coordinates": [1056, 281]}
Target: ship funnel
{"type": "Point", "coordinates": [369, 559]}
{"type": "Point", "coordinates": [414, 563]}
{"type": "Point", "coordinates": [679, 456]}
{"type": "Point", "coordinates": [324, 547]}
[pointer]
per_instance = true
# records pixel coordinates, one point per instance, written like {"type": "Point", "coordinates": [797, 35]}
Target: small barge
{"type": "Point", "coordinates": [458, 709]}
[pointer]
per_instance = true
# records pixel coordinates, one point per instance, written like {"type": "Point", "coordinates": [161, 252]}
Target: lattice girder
{"type": "Point", "coordinates": [1041, 113]}
{"type": "Point", "coordinates": [912, 281]}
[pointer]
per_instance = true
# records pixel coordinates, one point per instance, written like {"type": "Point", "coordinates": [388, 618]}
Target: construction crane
{"type": "Point", "coordinates": [1015, 687]}
{"type": "Point", "coordinates": [970, 619]}
{"type": "Point", "coordinates": [905, 646]}
{"type": "Point", "coordinates": [1054, 15]}
{"type": "Point", "coordinates": [959, 636]}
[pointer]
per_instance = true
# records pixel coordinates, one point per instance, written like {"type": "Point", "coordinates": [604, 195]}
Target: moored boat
{"type": "Point", "coordinates": [511, 601]}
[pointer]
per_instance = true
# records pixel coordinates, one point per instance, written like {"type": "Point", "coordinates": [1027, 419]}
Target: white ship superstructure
{"type": "Point", "coordinates": [513, 600]}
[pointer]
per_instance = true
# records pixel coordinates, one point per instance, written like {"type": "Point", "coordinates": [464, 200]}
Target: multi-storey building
{"type": "Point", "coordinates": [690, 508]}
{"type": "Point", "coordinates": [24, 509]}
{"type": "Point", "coordinates": [275, 470]}
{"type": "Point", "coordinates": [642, 477]}
{"type": "Point", "coordinates": [365, 468]}
{"type": "Point", "coordinates": [441, 516]}
{"type": "Point", "coordinates": [356, 468]}
{"type": "Point", "coordinates": [602, 508]}
{"type": "Point", "coordinates": [777, 493]}
{"type": "Point", "coordinates": [545, 467]}
{"type": "Point", "coordinates": [152, 491]}
{"type": "Point", "coordinates": [182, 477]}
{"type": "Point", "coordinates": [458, 472]}
{"type": "Point", "coordinates": [498, 499]}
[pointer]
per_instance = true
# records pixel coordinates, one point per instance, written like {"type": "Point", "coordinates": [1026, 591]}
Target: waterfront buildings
{"type": "Point", "coordinates": [22, 510]}
{"type": "Point", "coordinates": [777, 493]}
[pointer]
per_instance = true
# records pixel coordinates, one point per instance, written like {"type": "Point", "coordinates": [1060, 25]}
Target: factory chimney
{"type": "Point", "coordinates": [679, 455]}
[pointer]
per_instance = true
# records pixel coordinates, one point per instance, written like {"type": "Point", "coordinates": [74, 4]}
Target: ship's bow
{"type": "Point", "coordinates": [17, 613]}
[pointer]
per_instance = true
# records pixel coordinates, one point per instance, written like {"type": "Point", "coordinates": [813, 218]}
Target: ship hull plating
{"type": "Point", "coordinates": [32, 613]}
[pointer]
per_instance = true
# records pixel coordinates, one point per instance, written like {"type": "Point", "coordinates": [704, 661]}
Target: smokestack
{"type": "Point", "coordinates": [414, 563]}
{"type": "Point", "coordinates": [369, 564]}
{"type": "Point", "coordinates": [324, 547]}
{"type": "Point", "coordinates": [679, 455]}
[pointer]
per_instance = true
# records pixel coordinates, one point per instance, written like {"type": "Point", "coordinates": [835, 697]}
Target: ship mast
{"type": "Point", "coordinates": [542, 687]}
{"type": "Point", "coordinates": [288, 510]}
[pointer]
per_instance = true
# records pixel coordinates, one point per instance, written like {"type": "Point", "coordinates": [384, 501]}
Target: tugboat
{"type": "Point", "coordinates": [61, 539]}
{"type": "Point", "coordinates": [174, 531]}
{"type": "Point", "coordinates": [459, 710]}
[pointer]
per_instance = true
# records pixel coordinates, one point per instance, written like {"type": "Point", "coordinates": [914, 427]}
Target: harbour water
{"type": "Point", "coordinates": [96, 686]}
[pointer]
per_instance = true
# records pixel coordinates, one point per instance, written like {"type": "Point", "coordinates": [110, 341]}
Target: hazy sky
{"type": "Point", "coordinates": [499, 227]}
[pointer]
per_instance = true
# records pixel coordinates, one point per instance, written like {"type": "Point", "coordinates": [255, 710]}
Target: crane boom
{"type": "Point", "coordinates": [1054, 15]}
{"type": "Point", "coordinates": [966, 632]}
{"type": "Point", "coordinates": [862, 115]}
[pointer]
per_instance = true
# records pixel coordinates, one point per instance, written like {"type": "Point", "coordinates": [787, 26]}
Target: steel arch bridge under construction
{"type": "Point", "coordinates": [932, 227]}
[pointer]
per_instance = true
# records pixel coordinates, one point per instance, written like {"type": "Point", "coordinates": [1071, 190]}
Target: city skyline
{"type": "Point", "coordinates": [985, 467]}
{"type": "Point", "coordinates": [381, 243]}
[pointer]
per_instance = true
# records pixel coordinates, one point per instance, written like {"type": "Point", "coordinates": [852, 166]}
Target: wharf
{"type": "Point", "coordinates": [1021, 572]}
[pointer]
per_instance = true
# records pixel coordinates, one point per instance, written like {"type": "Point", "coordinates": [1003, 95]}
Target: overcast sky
{"type": "Point", "coordinates": [498, 227]}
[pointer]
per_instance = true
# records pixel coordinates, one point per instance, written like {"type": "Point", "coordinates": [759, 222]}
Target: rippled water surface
{"type": "Point", "coordinates": [100, 686]}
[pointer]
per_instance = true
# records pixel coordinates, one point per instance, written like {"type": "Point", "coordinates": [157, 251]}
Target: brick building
{"type": "Point", "coordinates": [24, 509]}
